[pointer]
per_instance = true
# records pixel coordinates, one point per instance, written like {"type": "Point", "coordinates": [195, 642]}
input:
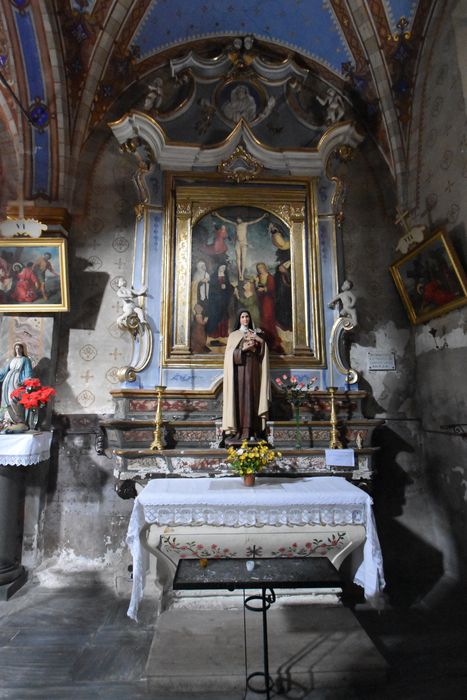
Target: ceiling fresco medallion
{"type": "Point", "coordinates": [241, 99]}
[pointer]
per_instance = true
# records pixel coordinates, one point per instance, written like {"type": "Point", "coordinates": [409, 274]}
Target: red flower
{"type": "Point", "coordinates": [278, 381]}
{"type": "Point", "coordinates": [31, 394]}
{"type": "Point", "coordinates": [17, 393]}
{"type": "Point", "coordinates": [33, 382]}
{"type": "Point", "coordinates": [29, 401]}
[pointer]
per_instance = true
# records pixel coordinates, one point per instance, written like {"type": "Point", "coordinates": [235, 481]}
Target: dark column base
{"type": "Point", "coordinates": [12, 574]}
{"type": "Point", "coordinates": [16, 580]}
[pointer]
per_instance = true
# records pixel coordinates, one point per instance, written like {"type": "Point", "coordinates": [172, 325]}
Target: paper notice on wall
{"type": "Point", "coordinates": [381, 361]}
{"type": "Point", "coordinates": [340, 458]}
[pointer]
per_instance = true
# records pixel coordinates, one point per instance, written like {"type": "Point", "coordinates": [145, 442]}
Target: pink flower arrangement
{"type": "Point", "coordinates": [31, 394]}
{"type": "Point", "coordinates": [296, 392]}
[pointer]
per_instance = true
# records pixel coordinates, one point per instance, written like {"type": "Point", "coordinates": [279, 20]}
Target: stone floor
{"type": "Point", "coordinates": [75, 642]}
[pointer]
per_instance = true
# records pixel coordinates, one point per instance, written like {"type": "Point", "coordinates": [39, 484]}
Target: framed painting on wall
{"type": "Point", "coordinates": [430, 279]}
{"type": "Point", "coordinates": [33, 275]}
{"type": "Point", "coordinates": [242, 247]}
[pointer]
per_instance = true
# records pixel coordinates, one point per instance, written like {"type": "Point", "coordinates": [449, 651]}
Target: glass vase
{"type": "Point", "coordinates": [32, 418]}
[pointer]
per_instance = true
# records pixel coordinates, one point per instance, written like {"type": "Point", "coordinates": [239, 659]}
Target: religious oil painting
{"type": "Point", "coordinates": [430, 279]}
{"type": "Point", "coordinates": [240, 260]}
{"type": "Point", "coordinates": [241, 247]}
{"type": "Point", "coordinates": [33, 275]}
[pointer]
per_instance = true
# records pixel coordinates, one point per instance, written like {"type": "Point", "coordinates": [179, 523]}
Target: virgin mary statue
{"type": "Point", "coordinates": [12, 375]}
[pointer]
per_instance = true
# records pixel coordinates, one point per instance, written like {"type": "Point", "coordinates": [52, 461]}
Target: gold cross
{"type": "Point", "coordinates": [401, 219]}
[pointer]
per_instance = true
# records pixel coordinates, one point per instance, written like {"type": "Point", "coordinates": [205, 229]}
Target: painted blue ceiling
{"type": "Point", "coordinates": [395, 9]}
{"type": "Point", "coordinates": [307, 26]}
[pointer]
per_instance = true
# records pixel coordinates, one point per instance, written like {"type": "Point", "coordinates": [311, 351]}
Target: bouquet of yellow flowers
{"type": "Point", "coordinates": [251, 459]}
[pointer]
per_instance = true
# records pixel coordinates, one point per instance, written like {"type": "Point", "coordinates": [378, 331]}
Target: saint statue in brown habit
{"type": "Point", "coordinates": [247, 386]}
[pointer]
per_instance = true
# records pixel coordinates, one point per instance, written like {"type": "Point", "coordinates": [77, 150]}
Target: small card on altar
{"type": "Point", "coordinates": [340, 458]}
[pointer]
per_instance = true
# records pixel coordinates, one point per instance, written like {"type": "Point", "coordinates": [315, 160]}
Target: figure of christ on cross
{"type": "Point", "coordinates": [241, 240]}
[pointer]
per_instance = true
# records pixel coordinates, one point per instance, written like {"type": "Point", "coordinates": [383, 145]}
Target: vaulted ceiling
{"type": "Point", "coordinates": [70, 66]}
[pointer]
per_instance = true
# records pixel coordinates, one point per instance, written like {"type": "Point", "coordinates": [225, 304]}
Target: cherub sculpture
{"type": "Point", "coordinates": [155, 95]}
{"type": "Point", "coordinates": [334, 105]}
{"type": "Point", "coordinates": [129, 296]}
{"type": "Point", "coordinates": [346, 301]}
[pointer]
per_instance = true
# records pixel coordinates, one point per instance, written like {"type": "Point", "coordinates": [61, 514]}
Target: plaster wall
{"type": "Point", "coordinates": [437, 189]}
{"type": "Point", "coordinates": [74, 521]}
{"type": "Point", "coordinates": [402, 498]}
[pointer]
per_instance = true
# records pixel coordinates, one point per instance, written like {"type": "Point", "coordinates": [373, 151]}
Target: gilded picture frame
{"type": "Point", "coordinates": [430, 279]}
{"type": "Point", "coordinates": [241, 246]}
{"type": "Point", "coordinates": [33, 275]}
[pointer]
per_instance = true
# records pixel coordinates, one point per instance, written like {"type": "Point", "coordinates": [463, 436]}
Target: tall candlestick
{"type": "Point", "coordinates": [160, 360]}
{"type": "Point", "coordinates": [331, 370]}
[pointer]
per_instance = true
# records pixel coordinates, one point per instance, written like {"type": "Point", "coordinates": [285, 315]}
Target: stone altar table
{"type": "Point", "coordinates": [281, 517]}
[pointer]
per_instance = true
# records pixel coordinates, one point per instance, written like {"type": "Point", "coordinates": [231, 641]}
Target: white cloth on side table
{"type": "Point", "coordinates": [322, 500]}
{"type": "Point", "coordinates": [24, 449]}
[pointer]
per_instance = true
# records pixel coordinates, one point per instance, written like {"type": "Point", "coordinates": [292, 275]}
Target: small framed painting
{"type": "Point", "coordinates": [430, 279]}
{"type": "Point", "coordinates": [33, 275]}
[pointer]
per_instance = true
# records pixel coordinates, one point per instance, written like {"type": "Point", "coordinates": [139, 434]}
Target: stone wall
{"type": "Point", "coordinates": [402, 499]}
{"type": "Point", "coordinates": [74, 520]}
{"type": "Point", "coordinates": [437, 188]}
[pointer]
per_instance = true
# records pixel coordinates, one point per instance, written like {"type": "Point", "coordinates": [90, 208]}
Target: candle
{"type": "Point", "coordinates": [160, 359]}
{"type": "Point", "coordinates": [331, 370]}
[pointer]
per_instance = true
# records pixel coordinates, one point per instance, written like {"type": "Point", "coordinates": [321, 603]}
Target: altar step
{"type": "Point", "coordinates": [181, 434]}
{"type": "Point", "coordinates": [140, 465]}
{"type": "Point", "coordinates": [313, 646]}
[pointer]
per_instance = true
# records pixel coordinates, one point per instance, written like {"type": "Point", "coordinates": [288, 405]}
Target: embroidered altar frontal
{"type": "Point", "coordinates": [318, 516]}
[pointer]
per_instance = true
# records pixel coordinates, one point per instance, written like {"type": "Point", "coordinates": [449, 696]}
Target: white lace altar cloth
{"type": "Point", "coordinates": [226, 502]}
{"type": "Point", "coordinates": [24, 449]}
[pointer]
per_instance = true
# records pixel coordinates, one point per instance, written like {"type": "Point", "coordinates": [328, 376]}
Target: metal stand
{"type": "Point", "coordinates": [157, 441]}
{"type": "Point", "coordinates": [334, 442]}
{"type": "Point", "coordinates": [267, 599]}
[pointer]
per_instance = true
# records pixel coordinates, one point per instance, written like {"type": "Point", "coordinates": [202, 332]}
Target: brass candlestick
{"type": "Point", "coordinates": [334, 442]}
{"type": "Point", "coordinates": [157, 442]}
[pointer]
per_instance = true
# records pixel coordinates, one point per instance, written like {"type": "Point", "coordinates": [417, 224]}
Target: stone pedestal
{"type": "Point", "coordinates": [17, 454]}
{"type": "Point", "coordinates": [12, 573]}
